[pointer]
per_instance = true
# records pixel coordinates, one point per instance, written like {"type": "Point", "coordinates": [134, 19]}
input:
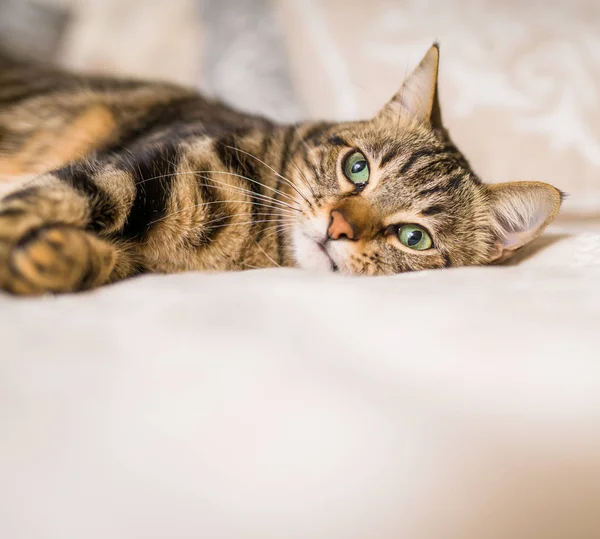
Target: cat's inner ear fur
{"type": "Point", "coordinates": [418, 97]}
{"type": "Point", "coordinates": [520, 212]}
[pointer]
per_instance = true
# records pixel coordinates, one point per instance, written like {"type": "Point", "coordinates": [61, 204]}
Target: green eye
{"type": "Point", "coordinates": [356, 169]}
{"type": "Point", "coordinates": [415, 237]}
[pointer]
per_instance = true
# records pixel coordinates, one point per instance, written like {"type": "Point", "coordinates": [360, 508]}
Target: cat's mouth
{"type": "Point", "coordinates": [313, 250]}
{"type": "Point", "coordinates": [323, 247]}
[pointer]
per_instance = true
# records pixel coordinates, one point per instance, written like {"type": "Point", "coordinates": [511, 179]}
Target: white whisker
{"type": "Point", "coordinates": [274, 172]}
{"type": "Point", "coordinates": [278, 229]}
{"type": "Point", "coordinates": [196, 172]}
{"type": "Point", "coordinates": [249, 193]}
{"type": "Point", "coordinates": [266, 254]}
{"type": "Point", "coordinates": [246, 223]}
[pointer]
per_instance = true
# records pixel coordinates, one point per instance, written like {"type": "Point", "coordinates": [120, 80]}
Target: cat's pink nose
{"type": "Point", "coordinates": [339, 227]}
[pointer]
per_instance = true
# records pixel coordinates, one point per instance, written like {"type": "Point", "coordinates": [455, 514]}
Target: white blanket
{"type": "Point", "coordinates": [284, 404]}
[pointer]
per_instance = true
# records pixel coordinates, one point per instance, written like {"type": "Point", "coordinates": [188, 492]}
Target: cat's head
{"type": "Point", "coordinates": [393, 194]}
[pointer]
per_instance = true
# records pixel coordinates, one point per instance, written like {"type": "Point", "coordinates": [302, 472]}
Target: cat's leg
{"type": "Point", "coordinates": [55, 234]}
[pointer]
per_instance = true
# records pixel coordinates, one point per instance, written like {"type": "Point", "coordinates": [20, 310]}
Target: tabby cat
{"type": "Point", "coordinates": [105, 179]}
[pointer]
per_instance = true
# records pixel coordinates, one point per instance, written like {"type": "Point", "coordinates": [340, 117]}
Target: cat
{"type": "Point", "coordinates": [126, 177]}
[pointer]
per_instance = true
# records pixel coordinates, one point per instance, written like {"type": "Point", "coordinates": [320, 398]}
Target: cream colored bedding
{"type": "Point", "coordinates": [279, 403]}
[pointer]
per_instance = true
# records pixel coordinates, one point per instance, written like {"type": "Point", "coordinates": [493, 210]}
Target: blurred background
{"type": "Point", "coordinates": [519, 80]}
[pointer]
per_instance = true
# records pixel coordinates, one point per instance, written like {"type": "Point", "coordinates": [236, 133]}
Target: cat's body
{"type": "Point", "coordinates": [132, 177]}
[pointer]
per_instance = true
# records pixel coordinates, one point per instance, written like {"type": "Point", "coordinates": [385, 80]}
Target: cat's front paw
{"type": "Point", "coordinates": [55, 259]}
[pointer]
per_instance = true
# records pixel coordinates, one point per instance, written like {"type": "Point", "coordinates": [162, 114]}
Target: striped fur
{"type": "Point", "coordinates": [107, 179]}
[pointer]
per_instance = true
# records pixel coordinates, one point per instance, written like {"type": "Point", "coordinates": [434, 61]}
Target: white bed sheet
{"type": "Point", "coordinates": [285, 404]}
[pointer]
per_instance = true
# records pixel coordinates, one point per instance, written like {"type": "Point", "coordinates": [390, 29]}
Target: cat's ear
{"type": "Point", "coordinates": [521, 211]}
{"type": "Point", "coordinates": [418, 97]}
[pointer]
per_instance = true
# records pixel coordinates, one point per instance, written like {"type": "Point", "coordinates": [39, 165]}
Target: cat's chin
{"type": "Point", "coordinates": [312, 254]}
